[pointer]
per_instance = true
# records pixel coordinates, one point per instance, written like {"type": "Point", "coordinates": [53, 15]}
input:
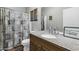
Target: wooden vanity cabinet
{"type": "Point", "coordinates": [39, 44]}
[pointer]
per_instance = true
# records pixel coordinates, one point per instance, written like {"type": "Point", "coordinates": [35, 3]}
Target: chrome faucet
{"type": "Point", "coordinates": [50, 29]}
{"type": "Point", "coordinates": [53, 31]}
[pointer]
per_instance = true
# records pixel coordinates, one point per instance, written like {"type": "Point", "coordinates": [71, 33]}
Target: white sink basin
{"type": "Point", "coordinates": [48, 36]}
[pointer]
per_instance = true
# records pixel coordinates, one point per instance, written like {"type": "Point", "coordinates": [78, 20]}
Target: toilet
{"type": "Point", "coordinates": [25, 43]}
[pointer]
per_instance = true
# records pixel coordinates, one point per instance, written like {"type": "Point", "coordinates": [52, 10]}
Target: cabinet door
{"type": "Point", "coordinates": [34, 43]}
{"type": "Point", "coordinates": [35, 47]}
{"type": "Point", "coordinates": [32, 47]}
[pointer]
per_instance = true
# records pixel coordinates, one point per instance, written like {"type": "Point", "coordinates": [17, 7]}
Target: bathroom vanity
{"type": "Point", "coordinates": [60, 43]}
{"type": "Point", "coordinates": [40, 44]}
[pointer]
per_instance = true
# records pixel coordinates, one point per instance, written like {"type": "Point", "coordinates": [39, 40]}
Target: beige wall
{"type": "Point", "coordinates": [35, 25]}
{"type": "Point", "coordinates": [57, 14]}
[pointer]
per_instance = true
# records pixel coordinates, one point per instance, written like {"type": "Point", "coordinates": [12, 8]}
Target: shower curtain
{"type": "Point", "coordinates": [14, 27]}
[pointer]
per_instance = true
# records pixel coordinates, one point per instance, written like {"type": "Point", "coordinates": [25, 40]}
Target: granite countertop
{"type": "Point", "coordinates": [60, 40]}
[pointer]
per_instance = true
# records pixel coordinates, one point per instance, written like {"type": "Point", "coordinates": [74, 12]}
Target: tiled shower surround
{"type": "Point", "coordinates": [14, 27]}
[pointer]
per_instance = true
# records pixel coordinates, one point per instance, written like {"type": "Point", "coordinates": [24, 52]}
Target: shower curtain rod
{"type": "Point", "coordinates": [12, 9]}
